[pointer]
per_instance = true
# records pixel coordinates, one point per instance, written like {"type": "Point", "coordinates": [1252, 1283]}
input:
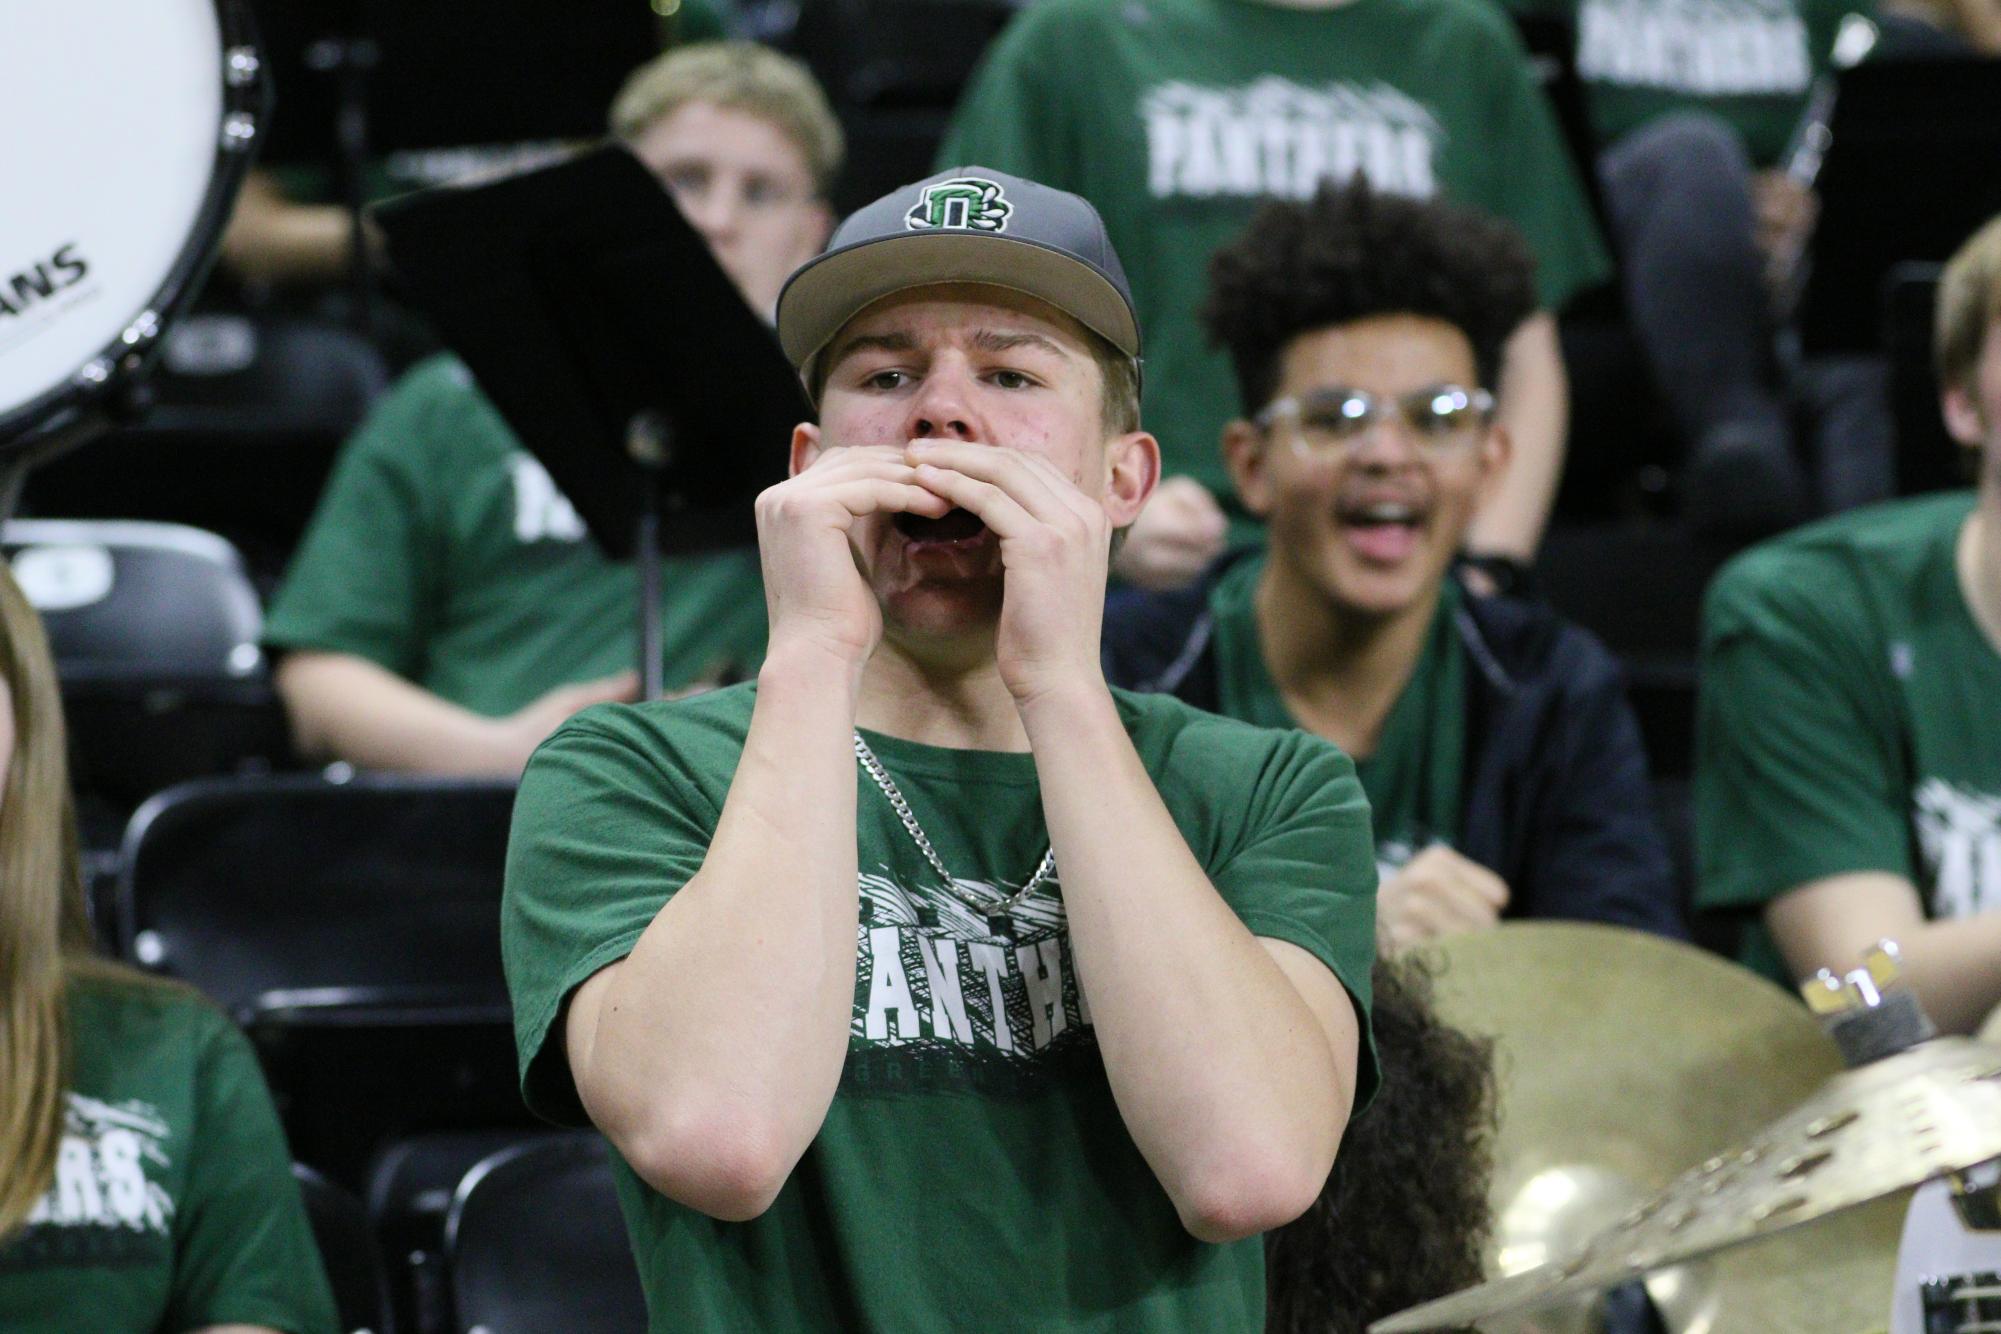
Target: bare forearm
{"type": "Point", "coordinates": [1225, 1079]}
{"type": "Point", "coordinates": [1535, 409]}
{"type": "Point", "coordinates": [348, 708]}
{"type": "Point", "coordinates": [272, 239]}
{"type": "Point", "coordinates": [714, 1049]}
{"type": "Point", "coordinates": [1954, 965]}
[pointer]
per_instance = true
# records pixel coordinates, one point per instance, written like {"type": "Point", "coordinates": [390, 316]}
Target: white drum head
{"type": "Point", "coordinates": [109, 157]}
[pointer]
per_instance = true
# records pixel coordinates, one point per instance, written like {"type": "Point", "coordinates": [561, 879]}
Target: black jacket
{"type": "Point", "coordinates": [1556, 798]}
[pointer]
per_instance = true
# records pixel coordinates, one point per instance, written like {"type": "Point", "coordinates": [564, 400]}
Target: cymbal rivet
{"type": "Point", "coordinates": [1785, 1206]}
{"type": "Point", "coordinates": [1796, 1168]}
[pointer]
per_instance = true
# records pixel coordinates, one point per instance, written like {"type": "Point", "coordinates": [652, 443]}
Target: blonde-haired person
{"type": "Point", "coordinates": [144, 1180]}
{"type": "Point", "coordinates": [1849, 763]}
{"type": "Point", "coordinates": [446, 610]}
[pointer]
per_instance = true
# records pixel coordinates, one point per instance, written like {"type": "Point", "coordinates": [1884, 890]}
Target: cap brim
{"type": "Point", "coordinates": [839, 285]}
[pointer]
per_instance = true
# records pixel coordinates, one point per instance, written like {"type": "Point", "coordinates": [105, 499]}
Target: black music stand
{"type": "Point", "coordinates": [1910, 174]}
{"type": "Point", "coordinates": [439, 84]}
{"type": "Point", "coordinates": [600, 325]}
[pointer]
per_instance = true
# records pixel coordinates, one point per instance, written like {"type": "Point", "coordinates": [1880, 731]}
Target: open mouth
{"type": "Point", "coordinates": [1383, 531]}
{"type": "Point", "coordinates": [956, 525]}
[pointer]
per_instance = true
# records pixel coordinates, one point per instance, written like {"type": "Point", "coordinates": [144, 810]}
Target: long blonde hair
{"type": "Point", "coordinates": [44, 932]}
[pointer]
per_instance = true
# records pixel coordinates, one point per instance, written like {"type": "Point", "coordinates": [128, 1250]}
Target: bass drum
{"type": "Point", "coordinates": [130, 126]}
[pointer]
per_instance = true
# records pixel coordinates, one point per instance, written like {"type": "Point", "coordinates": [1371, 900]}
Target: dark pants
{"type": "Point", "coordinates": [1678, 192]}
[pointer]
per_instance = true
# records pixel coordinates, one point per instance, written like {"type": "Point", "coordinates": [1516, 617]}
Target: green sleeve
{"type": "Point", "coordinates": [244, 1252]}
{"type": "Point", "coordinates": [1304, 870]}
{"type": "Point", "coordinates": [364, 578]}
{"type": "Point", "coordinates": [1015, 115]}
{"type": "Point", "coordinates": [1798, 769]}
{"type": "Point", "coordinates": [1534, 182]}
{"type": "Point", "coordinates": [694, 21]}
{"type": "Point", "coordinates": [602, 837]}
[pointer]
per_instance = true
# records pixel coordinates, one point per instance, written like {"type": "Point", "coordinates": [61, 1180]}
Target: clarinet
{"type": "Point", "coordinates": [1806, 153]}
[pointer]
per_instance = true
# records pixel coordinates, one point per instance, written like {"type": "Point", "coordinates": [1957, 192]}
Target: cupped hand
{"type": "Point", "coordinates": [1179, 532]}
{"type": "Point", "coordinates": [814, 591]}
{"type": "Point", "coordinates": [1054, 542]}
{"type": "Point", "coordinates": [1437, 893]}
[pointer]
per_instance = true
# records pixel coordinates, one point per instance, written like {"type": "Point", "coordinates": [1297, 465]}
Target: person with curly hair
{"type": "Point", "coordinates": [1500, 755]}
{"type": "Point", "coordinates": [1404, 1216]}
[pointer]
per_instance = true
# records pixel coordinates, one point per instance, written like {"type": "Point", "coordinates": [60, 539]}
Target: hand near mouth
{"type": "Point", "coordinates": [1054, 543]}
{"type": "Point", "coordinates": [816, 596]}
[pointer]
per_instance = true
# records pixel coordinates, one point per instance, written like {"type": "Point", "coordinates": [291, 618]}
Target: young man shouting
{"type": "Point", "coordinates": [927, 982]}
{"type": "Point", "coordinates": [1501, 760]}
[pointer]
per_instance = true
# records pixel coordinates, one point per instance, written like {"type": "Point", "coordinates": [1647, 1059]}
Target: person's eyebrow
{"type": "Point", "coordinates": [989, 340]}
{"type": "Point", "coordinates": [882, 342]}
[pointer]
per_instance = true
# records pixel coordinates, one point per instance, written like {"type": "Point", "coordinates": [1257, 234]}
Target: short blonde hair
{"type": "Point", "coordinates": [1969, 302]}
{"type": "Point", "coordinates": [741, 76]}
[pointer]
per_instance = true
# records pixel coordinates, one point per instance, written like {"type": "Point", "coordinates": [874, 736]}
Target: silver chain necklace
{"type": "Point", "coordinates": [873, 767]}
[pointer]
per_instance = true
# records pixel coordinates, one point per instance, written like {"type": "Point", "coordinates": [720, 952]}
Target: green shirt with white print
{"type": "Point", "coordinates": [973, 1171]}
{"type": "Point", "coordinates": [1850, 718]}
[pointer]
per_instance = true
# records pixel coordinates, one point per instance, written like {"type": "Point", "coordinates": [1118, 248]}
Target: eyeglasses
{"type": "Point", "coordinates": [1335, 421]}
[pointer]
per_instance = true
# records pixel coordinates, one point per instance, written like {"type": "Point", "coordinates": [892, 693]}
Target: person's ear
{"type": "Point", "coordinates": [1497, 451]}
{"type": "Point", "coordinates": [1248, 464]}
{"type": "Point", "coordinates": [1962, 417]}
{"type": "Point", "coordinates": [1132, 472]}
{"type": "Point", "coordinates": [806, 447]}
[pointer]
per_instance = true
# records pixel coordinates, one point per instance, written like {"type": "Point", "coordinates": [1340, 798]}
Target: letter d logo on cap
{"type": "Point", "coordinates": [964, 203]}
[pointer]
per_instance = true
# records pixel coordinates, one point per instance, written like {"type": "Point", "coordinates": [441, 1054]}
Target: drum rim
{"type": "Point", "coordinates": [98, 388]}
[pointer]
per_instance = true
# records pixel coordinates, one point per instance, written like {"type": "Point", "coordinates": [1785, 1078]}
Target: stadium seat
{"type": "Point", "coordinates": [353, 1260]}
{"type": "Point", "coordinates": [246, 418]}
{"type": "Point", "coordinates": [893, 70]}
{"type": "Point", "coordinates": [1927, 458]}
{"type": "Point", "coordinates": [353, 928]}
{"type": "Point", "coordinates": [154, 628]}
{"type": "Point", "coordinates": [408, 1192]}
{"type": "Point", "coordinates": [537, 1245]}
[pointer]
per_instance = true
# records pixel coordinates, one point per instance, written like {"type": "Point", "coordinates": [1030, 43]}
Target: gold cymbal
{"type": "Point", "coordinates": [1623, 1060]}
{"type": "Point", "coordinates": [1882, 1128]}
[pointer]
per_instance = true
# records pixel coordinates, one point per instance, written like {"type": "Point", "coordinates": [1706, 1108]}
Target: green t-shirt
{"type": "Point", "coordinates": [1176, 117]}
{"type": "Point", "coordinates": [1850, 718]}
{"type": "Point", "coordinates": [173, 1205]}
{"type": "Point", "coordinates": [1749, 62]}
{"type": "Point", "coordinates": [973, 1171]}
{"type": "Point", "coordinates": [443, 552]}
{"type": "Point", "coordinates": [1413, 779]}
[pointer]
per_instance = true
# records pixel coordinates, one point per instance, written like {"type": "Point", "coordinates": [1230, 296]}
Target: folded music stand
{"type": "Point", "coordinates": [598, 322]}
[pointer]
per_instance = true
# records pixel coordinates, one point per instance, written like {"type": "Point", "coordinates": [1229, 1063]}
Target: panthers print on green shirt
{"type": "Point", "coordinates": [973, 1171]}
{"type": "Point", "coordinates": [1751, 63]}
{"type": "Point", "coordinates": [1176, 118]}
{"type": "Point", "coordinates": [173, 1205]}
{"type": "Point", "coordinates": [1850, 718]}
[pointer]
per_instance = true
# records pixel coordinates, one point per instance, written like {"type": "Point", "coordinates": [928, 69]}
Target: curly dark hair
{"type": "Point", "coordinates": [1404, 1216]}
{"type": "Point", "coordinates": [1349, 253]}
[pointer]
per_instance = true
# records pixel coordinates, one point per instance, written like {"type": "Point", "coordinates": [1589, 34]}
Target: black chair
{"type": "Point", "coordinates": [409, 1189]}
{"type": "Point", "coordinates": [247, 416]}
{"type": "Point", "coordinates": [893, 70]}
{"type": "Point", "coordinates": [353, 1260]}
{"type": "Point", "coordinates": [154, 628]}
{"type": "Point", "coordinates": [1928, 459]}
{"type": "Point", "coordinates": [353, 928]}
{"type": "Point", "coordinates": [537, 1244]}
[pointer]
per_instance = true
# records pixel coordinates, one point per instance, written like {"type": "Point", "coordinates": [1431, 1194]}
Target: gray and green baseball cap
{"type": "Point", "coordinates": [965, 225]}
